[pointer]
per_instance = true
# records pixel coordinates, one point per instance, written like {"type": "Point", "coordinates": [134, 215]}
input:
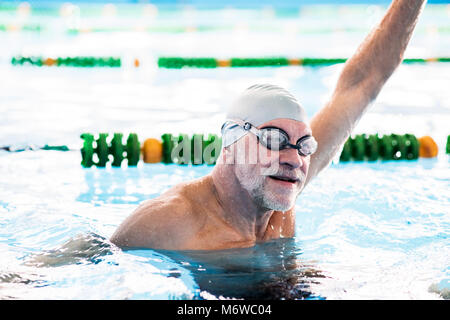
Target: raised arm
{"type": "Point", "coordinates": [361, 80]}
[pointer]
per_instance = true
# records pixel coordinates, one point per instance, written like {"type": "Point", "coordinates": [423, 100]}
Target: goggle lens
{"type": "Point", "coordinates": [276, 139]}
{"type": "Point", "coordinates": [273, 139]}
{"type": "Point", "coordinates": [307, 146]}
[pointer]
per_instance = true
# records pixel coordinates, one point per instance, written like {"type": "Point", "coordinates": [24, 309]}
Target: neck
{"type": "Point", "coordinates": [238, 209]}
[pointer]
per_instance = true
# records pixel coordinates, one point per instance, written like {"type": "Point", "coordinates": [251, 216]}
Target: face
{"type": "Point", "coordinates": [273, 179]}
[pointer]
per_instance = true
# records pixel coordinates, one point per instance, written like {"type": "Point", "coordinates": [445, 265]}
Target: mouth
{"type": "Point", "coordinates": [285, 179]}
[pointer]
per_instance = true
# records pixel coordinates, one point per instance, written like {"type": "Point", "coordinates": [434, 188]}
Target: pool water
{"type": "Point", "coordinates": [363, 230]}
{"type": "Point", "coordinates": [383, 235]}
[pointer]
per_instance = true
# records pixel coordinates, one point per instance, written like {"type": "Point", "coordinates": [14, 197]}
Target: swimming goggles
{"type": "Point", "coordinates": [276, 139]}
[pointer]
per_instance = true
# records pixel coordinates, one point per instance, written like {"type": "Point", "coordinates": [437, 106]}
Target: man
{"type": "Point", "coordinates": [270, 153]}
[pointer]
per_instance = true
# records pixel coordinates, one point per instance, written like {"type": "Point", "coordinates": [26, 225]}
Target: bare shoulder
{"type": "Point", "coordinates": [166, 222]}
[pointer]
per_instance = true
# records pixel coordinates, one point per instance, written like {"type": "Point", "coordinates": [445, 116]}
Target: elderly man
{"type": "Point", "coordinates": [270, 153]}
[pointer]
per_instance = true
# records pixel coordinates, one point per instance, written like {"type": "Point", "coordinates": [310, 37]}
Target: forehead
{"type": "Point", "coordinates": [295, 129]}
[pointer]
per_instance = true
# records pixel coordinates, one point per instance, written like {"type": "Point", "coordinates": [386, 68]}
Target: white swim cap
{"type": "Point", "coordinates": [259, 104]}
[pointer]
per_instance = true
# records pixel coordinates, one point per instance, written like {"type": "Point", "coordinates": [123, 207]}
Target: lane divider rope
{"type": "Point", "coordinates": [113, 62]}
{"type": "Point", "coordinates": [183, 62]}
{"type": "Point", "coordinates": [183, 149]}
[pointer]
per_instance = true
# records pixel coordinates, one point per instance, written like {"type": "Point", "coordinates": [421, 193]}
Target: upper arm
{"type": "Point", "coordinates": [157, 224]}
{"type": "Point", "coordinates": [333, 124]}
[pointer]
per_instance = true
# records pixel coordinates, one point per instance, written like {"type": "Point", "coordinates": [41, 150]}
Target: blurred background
{"type": "Point", "coordinates": [54, 105]}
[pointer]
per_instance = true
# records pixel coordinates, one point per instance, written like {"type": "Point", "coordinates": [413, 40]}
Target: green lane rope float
{"type": "Point", "coordinates": [56, 148]}
{"type": "Point", "coordinates": [133, 149]}
{"type": "Point", "coordinates": [181, 153]}
{"type": "Point", "coordinates": [102, 150]}
{"type": "Point", "coordinates": [117, 150]}
{"type": "Point", "coordinates": [130, 151]}
{"type": "Point", "coordinates": [87, 151]}
{"type": "Point", "coordinates": [387, 147]}
{"type": "Point", "coordinates": [212, 149]}
{"type": "Point", "coordinates": [447, 148]}
{"type": "Point", "coordinates": [371, 147]}
{"type": "Point", "coordinates": [167, 146]}
{"type": "Point", "coordinates": [87, 62]}
{"type": "Point", "coordinates": [208, 62]}
{"type": "Point", "coordinates": [178, 63]}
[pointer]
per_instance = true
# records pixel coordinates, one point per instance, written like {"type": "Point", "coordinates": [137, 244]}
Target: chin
{"type": "Point", "coordinates": [279, 200]}
{"type": "Point", "coordinates": [279, 204]}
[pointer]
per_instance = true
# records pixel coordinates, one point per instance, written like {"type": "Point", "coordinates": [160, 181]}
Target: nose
{"type": "Point", "coordinates": [290, 157]}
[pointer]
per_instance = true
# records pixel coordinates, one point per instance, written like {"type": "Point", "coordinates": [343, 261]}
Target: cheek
{"type": "Point", "coordinates": [246, 151]}
{"type": "Point", "coordinates": [306, 162]}
{"type": "Point", "coordinates": [267, 158]}
{"type": "Point", "coordinates": [249, 176]}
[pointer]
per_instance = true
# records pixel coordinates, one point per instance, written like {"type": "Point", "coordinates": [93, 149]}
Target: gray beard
{"type": "Point", "coordinates": [262, 197]}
